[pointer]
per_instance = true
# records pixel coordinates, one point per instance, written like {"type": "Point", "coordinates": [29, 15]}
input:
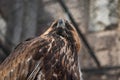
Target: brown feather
{"type": "Point", "coordinates": [51, 56]}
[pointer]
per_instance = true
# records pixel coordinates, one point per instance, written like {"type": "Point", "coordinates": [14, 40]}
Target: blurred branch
{"type": "Point", "coordinates": [101, 70]}
{"type": "Point", "coordinates": [21, 17]}
{"type": "Point", "coordinates": [29, 19]}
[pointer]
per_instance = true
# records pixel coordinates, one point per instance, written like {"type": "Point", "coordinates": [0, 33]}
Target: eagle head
{"type": "Point", "coordinates": [65, 29]}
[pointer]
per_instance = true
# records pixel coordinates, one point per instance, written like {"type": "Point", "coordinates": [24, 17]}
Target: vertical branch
{"type": "Point", "coordinates": [18, 18]}
{"type": "Point", "coordinates": [14, 21]}
{"type": "Point", "coordinates": [30, 18]}
{"type": "Point", "coordinates": [10, 22]}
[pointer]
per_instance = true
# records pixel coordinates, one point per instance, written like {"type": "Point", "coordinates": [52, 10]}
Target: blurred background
{"type": "Point", "coordinates": [97, 22]}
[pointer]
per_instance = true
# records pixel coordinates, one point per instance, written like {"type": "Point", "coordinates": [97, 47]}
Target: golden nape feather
{"type": "Point", "coordinates": [51, 56]}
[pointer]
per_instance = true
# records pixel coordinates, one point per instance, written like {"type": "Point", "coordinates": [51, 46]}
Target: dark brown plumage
{"type": "Point", "coordinates": [51, 56]}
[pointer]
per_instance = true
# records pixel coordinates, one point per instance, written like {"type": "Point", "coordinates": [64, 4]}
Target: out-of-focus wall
{"type": "Point", "coordinates": [103, 14]}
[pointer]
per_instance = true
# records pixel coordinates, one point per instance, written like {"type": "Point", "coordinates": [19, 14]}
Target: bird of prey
{"type": "Point", "coordinates": [50, 56]}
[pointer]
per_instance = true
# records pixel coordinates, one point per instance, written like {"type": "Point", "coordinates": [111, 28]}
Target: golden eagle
{"type": "Point", "coordinates": [51, 56]}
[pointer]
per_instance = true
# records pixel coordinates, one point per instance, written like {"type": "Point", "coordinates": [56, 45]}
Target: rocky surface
{"type": "Point", "coordinates": [107, 46]}
{"type": "Point", "coordinates": [103, 13]}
